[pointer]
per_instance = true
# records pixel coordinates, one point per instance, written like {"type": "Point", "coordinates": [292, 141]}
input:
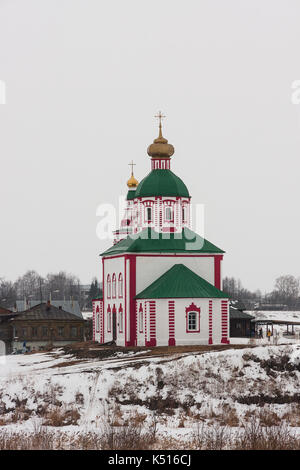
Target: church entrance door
{"type": "Point", "coordinates": [114, 323]}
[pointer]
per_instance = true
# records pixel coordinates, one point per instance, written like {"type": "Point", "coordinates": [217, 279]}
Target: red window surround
{"type": "Point", "coordinates": [121, 320]}
{"type": "Point", "coordinates": [148, 205]}
{"type": "Point", "coordinates": [120, 285]}
{"type": "Point", "coordinates": [108, 286]}
{"type": "Point", "coordinates": [189, 309]}
{"type": "Point", "coordinates": [141, 319]}
{"type": "Point", "coordinates": [108, 319]}
{"type": "Point", "coordinates": [114, 286]}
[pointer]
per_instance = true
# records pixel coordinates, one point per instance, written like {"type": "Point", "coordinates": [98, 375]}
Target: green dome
{"type": "Point", "coordinates": [161, 183]}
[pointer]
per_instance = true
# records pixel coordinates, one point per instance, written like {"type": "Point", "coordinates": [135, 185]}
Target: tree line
{"type": "Point", "coordinates": [55, 286]}
{"type": "Point", "coordinates": [285, 293]}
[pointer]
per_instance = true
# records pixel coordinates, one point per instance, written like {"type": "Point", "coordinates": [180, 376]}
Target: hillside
{"type": "Point", "coordinates": [177, 397]}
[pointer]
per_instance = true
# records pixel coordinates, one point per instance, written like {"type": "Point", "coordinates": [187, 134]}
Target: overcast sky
{"type": "Point", "coordinates": [84, 79]}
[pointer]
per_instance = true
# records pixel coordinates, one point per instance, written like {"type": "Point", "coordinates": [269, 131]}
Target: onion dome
{"type": "Point", "coordinates": [132, 182]}
{"type": "Point", "coordinates": [160, 147]}
{"type": "Point", "coordinates": [162, 183]}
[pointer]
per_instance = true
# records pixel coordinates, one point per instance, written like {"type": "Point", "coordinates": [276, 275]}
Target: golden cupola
{"type": "Point", "coordinates": [132, 183]}
{"type": "Point", "coordinates": [160, 147]}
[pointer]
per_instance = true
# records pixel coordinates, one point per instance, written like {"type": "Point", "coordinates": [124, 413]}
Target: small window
{"type": "Point", "coordinates": [60, 331]}
{"type": "Point", "coordinates": [34, 331]}
{"type": "Point", "coordinates": [149, 214]}
{"type": "Point", "coordinates": [169, 214]}
{"type": "Point", "coordinates": [120, 286]}
{"type": "Point", "coordinates": [108, 319]}
{"type": "Point", "coordinates": [97, 321]}
{"type": "Point", "coordinates": [108, 287]}
{"type": "Point", "coordinates": [121, 320]}
{"type": "Point", "coordinates": [114, 286]}
{"type": "Point", "coordinates": [141, 320]}
{"type": "Point", "coordinates": [74, 331]}
{"type": "Point", "coordinates": [45, 331]}
{"type": "Point", "coordinates": [192, 321]}
{"type": "Point", "coordinates": [184, 214]}
{"type": "Point", "coordinates": [24, 332]}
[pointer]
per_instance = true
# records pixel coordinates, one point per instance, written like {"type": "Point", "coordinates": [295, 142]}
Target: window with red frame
{"type": "Point", "coordinates": [108, 286]}
{"type": "Point", "coordinates": [121, 319]}
{"type": "Point", "coordinates": [108, 319]}
{"type": "Point", "coordinates": [184, 214]}
{"type": "Point", "coordinates": [169, 214]}
{"type": "Point", "coordinates": [120, 286]}
{"type": "Point", "coordinates": [192, 319]}
{"type": "Point", "coordinates": [114, 286]}
{"type": "Point", "coordinates": [141, 319]}
{"type": "Point", "coordinates": [149, 214]}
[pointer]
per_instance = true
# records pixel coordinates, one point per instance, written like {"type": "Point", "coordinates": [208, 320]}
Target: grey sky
{"type": "Point", "coordinates": [84, 79]}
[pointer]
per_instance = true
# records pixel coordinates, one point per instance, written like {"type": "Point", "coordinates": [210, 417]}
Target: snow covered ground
{"type": "Point", "coordinates": [178, 392]}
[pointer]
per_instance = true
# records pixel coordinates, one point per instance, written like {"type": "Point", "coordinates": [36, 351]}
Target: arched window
{"type": "Point", "coordinates": [108, 286]}
{"type": "Point", "coordinates": [108, 318]}
{"type": "Point", "coordinates": [114, 286]}
{"type": "Point", "coordinates": [120, 286]}
{"type": "Point", "coordinates": [120, 319]}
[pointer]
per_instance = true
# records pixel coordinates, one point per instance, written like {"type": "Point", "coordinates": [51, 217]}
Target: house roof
{"type": "Point", "coordinates": [162, 183]}
{"type": "Point", "coordinates": [149, 241]}
{"type": "Point", "coordinates": [5, 311]}
{"type": "Point", "coordinates": [44, 311]}
{"type": "Point", "coordinates": [236, 314]}
{"type": "Point", "coordinates": [71, 306]}
{"type": "Point", "coordinates": [180, 282]}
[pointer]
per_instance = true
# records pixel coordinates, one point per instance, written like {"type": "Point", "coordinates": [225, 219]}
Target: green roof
{"type": "Point", "coordinates": [180, 281]}
{"type": "Point", "coordinates": [149, 241]}
{"type": "Point", "coordinates": [162, 183]}
{"type": "Point", "coordinates": [131, 194]}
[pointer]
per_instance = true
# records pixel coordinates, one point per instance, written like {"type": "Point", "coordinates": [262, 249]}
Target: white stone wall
{"type": "Point", "coordinates": [117, 266]}
{"type": "Point", "coordinates": [182, 337]}
{"type": "Point", "coordinates": [149, 268]}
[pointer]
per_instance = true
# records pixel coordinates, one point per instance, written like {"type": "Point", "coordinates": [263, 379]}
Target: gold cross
{"type": "Point", "coordinates": [132, 165]}
{"type": "Point", "coordinates": [160, 116]}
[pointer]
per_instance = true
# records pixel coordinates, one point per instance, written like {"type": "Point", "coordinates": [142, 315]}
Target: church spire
{"type": "Point", "coordinates": [132, 182]}
{"type": "Point", "coordinates": [160, 149]}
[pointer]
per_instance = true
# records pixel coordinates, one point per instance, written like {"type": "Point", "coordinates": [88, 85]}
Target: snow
{"type": "Point", "coordinates": [205, 383]}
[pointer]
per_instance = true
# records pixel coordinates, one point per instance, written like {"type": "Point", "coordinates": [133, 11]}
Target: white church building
{"type": "Point", "coordinates": [161, 281]}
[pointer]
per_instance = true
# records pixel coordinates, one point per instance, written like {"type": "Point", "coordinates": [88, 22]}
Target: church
{"type": "Point", "coordinates": [161, 281]}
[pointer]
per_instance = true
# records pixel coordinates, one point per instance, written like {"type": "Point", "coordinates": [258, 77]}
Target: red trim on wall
{"type": "Point", "coordinates": [224, 321]}
{"type": "Point", "coordinates": [94, 320]}
{"type": "Point", "coordinates": [97, 318]}
{"type": "Point", "coordinates": [121, 316]}
{"type": "Point", "coordinates": [192, 308]}
{"type": "Point", "coordinates": [125, 294]}
{"type": "Point", "coordinates": [218, 259]}
{"type": "Point", "coordinates": [171, 305]}
{"type": "Point", "coordinates": [108, 316]}
{"type": "Point", "coordinates": [103, 293]}
{"type": "Point", "coordinates": [152, 323]}
{"type": "Point", "coordinates": [210, 321]}
{"type": "Point", "coordinates": [132, 294]}
{"type": "Point", "coordinates": [141, 323]}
